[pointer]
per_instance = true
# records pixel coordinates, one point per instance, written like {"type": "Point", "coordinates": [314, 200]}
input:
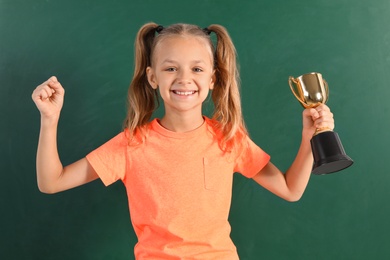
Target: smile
{"type": "Point", "coordinates": [184, 93]}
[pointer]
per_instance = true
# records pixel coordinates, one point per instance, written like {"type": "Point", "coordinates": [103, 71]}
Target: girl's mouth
{"type": "Point", "coordinates": [184, 93]}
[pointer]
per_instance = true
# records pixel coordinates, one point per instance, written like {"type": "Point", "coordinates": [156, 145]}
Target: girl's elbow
{"type": "Point", "coordinates": [46, 189]}
{"type": "Point", "coordinates": [293, 197]}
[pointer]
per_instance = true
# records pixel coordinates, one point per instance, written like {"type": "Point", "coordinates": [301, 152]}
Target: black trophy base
{"type": "Point", "coordinates": [328, 152]}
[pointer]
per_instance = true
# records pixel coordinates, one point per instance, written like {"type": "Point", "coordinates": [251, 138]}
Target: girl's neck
{"type": "Point", "coordinates": [180, 123]}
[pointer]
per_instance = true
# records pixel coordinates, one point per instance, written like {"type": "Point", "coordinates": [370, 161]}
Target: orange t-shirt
{"type": "Point", "coordinates": [179, 188]}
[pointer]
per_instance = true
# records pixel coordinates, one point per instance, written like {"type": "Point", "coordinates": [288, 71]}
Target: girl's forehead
{"type": "Point", "coordinates": [182, 44]}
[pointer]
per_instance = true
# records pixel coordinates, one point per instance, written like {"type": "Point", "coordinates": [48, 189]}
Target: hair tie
{"type": "Point", "coordinates": [206, 31]}
{"type": "Point", "coordinates": [159, 28]}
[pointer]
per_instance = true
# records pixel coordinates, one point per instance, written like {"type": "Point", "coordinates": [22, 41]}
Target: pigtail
{"type": "Point", "coordinates": [142, 98]}
{"type": "Point", "coordinates": [226, 93]}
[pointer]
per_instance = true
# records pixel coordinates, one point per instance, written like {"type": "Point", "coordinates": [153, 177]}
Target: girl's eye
{"type": "Point", "coordinates": [171, 69]}
{"type": "Point", "coordinates": [198, 70]}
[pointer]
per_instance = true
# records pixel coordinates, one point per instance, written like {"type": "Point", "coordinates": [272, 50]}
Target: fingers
{"type": "Point", "coordinates": [54, 84]}
{"type": "Point", "coordinates": [49, 98]}
{"type": "Point", "coordinates": [322, 117]}
{"type": "Point", "coordinates": [45, 92]}
{"type": "Point", "coordinates": [47, 89]}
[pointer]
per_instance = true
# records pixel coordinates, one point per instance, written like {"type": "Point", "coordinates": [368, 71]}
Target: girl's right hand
{"type": "Point", "coordinates": [49, 98]}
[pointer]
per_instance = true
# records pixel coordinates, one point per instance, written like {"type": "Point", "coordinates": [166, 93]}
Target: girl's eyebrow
{"type": "Point", "coordinates": [173, 61]}
{"type": "Point", "coordinates": [198, 61]}
{"type": "Point", "coordinates": [168, 61]}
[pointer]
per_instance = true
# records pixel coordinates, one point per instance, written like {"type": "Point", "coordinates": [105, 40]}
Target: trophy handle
{"type": "Point", "coordinates": [291, 79]}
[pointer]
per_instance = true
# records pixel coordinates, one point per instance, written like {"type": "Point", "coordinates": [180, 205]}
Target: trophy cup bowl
{"type": "Point", "coordinates": [311, 90]}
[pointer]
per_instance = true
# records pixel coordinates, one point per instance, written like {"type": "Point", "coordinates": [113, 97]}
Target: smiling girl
{"type": "Point", "coordinates": [177, 170]}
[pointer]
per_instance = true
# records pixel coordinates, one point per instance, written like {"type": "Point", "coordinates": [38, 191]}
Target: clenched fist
{"type": "Point", "coordinates": [49, 98]}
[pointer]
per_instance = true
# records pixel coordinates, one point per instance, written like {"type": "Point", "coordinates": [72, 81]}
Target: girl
{"type": "Point", "coordinates": [178, 170]}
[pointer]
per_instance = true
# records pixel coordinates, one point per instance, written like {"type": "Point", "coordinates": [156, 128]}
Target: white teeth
{"type": "Point", "coordinates": [184, 93]}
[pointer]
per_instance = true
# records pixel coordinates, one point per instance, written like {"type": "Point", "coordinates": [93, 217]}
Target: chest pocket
{"type": "Point", "coordinates": [218, 174]}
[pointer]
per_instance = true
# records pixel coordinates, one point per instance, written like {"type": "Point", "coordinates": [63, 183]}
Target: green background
{"type": "Point", "coordinates": [88, 45]}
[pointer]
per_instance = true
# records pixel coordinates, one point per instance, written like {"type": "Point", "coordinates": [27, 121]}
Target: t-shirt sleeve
{"type": "Point", "coordinates": [251, 159]}
{"type": "Point", "coordinates": [109, 160]}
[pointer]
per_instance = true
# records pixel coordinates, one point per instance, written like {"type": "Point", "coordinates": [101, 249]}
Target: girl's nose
{"type": "Point", "coordinates": [183, 78]}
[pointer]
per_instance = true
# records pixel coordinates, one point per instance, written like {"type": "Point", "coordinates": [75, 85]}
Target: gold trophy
{"type": "Point", "coordinates": [311, 90]}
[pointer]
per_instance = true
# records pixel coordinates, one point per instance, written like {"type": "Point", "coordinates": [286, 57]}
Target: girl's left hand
{"type": "Point", "coordinates": [316, 119]}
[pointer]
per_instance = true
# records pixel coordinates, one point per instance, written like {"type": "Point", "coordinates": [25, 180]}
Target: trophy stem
{"type": "Point", "coordinates": [321, 130]}
{"type": "Point", "coordinates": [328, 152]}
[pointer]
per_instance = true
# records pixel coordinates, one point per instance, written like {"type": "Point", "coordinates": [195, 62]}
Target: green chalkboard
{"type": "Point", "coordinates": [88, 45]}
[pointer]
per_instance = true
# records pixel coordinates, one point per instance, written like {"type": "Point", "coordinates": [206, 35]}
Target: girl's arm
{"type": "Point", "coordinates": [52, 177]}
{"type": "Point", "coordinates": [291, 185]}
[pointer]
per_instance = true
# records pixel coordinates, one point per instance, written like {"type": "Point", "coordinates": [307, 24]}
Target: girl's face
{"type": "Point", "coordinates": [184, 73]}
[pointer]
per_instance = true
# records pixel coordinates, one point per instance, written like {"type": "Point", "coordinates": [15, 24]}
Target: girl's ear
{"type": "Point", "coordinates": [151, 77]}
{"type": "Point", "coordinates": [212, 80]}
